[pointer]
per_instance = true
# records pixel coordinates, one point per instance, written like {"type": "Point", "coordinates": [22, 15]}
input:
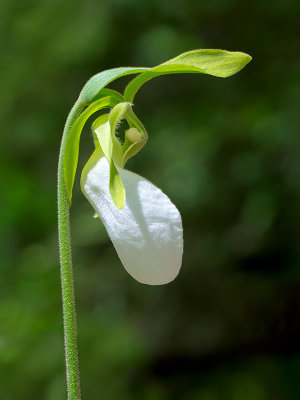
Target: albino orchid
{"type": "Point", "coordinates": [143, 224]}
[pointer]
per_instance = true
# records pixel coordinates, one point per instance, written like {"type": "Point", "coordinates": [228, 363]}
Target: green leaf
{"type": "Point", "coordinates": [97, 82]}
{"type": "Point", "coordinates": [220, 63]}
{"type": "Point", "coordinates": [214, 62]}
{"type": "Point", "coordinates": [72, 144]}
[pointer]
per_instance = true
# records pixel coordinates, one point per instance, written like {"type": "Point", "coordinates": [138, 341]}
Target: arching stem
{"type": "Point", "coordinates": [67, 285]}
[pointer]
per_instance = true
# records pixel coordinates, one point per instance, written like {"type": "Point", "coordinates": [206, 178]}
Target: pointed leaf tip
{"type": "Point", "coordinates": [219, 63]}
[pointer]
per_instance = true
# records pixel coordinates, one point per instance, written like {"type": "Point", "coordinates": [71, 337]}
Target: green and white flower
{"type": "Point", "coordinates": [146, 232]}
{"type": "Point", "coordinates": [142, 222]}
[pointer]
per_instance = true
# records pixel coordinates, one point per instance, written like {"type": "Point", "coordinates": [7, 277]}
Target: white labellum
{"type": "Point", "coordinates": [147, 232]}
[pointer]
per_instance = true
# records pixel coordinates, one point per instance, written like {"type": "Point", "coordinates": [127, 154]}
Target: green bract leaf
{"type": "Point", "coordinates": [220, 63]}
{"type": "Point", "coordinates": [72, 145]}
{"type": "Point", "coordinates": [97, 82]}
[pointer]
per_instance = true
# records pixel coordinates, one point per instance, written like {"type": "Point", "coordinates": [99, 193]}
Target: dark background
{"type": "Point", "coordinates": [226, 151]}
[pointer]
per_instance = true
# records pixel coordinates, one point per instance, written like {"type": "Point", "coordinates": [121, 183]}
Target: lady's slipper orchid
{"type": "Point", "coordinates": [142, 222]}
{"type": "Point", "coordinates": [146, 232]}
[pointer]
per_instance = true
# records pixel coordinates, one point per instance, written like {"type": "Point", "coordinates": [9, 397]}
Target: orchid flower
{"type": "Point", "coordinates": [142, 222]}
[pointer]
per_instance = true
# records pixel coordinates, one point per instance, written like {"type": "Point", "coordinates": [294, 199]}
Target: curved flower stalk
{"type": "Point", "coordinates": [142, 222]}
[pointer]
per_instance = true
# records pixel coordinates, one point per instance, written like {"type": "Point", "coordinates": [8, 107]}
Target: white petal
{"type": "Point", "coordinates": [147, 232]}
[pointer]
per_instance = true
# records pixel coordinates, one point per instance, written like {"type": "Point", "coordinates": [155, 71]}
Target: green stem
{"type": "Point", "coordinates": [67, 285]}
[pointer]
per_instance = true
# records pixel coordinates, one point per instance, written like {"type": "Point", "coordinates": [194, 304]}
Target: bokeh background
{"type": "Point", "coordinates": [227, 152]}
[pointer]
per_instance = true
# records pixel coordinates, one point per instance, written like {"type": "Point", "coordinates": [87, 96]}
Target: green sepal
{"type": "Point", "coordinates": [117, 114]}
{"type": "Point", "coordinates": [91, 89]}
{"type": "Point", "coordinates": [103, 134]}
{"type": "Point", "coordinates": [116, 187]}
{"type": "Point", "coordinates": [72, 144]}
{"type": "Point", "coordinates": [220, 63]}
{"type": "Point", "coordinates": [105, 128]}
{"type": "Point", "coordinates": [110, 145]}
{"type": "Point", "coordinates": [96, 124]}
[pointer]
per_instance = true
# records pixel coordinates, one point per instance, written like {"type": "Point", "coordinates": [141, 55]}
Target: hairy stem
{"type": "Point", "coordinates": [67, 285]}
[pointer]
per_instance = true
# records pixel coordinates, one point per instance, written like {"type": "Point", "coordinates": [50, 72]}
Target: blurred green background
{"type": "Point", "coordinates": [226, 151]}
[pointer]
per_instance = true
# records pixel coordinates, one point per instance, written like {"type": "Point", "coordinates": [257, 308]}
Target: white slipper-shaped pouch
{"type": "Point", "coordinates": [147, 232]}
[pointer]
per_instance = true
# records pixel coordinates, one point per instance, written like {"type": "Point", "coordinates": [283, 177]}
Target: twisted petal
{"type": "Point", "coordinates": [147, 232]}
